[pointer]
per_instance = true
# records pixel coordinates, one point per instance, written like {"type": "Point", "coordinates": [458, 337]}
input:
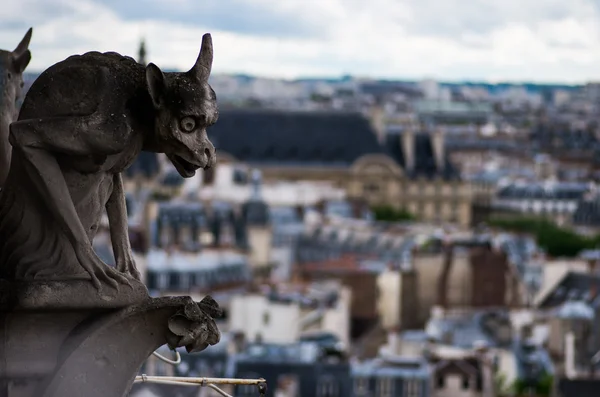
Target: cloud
{"type": "Point", "coordinates": [238, 16]}
{"type": "Point", "coordinates": [541, 40]}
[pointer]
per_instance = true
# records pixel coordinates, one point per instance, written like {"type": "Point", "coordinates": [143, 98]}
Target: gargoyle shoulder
{"type": "Point", "coordinates": [77, 85]}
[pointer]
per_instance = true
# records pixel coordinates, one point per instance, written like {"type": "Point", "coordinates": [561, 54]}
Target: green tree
{"type": "Point", "coordinates": [540, 388]}
{"type": "Point", "coordinates": [388, 213]}
{"type": "Point", "coordinates": [555, 240]}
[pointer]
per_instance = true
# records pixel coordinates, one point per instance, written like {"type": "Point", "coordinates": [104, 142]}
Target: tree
{"type": "Point", "coordinates": [556, 241]}
{"type": "Point", "coordinates": [387, 213]}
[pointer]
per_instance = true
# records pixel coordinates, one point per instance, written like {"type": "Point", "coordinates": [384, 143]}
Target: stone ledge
{"type": "Point", "coordinates": [72, 294]}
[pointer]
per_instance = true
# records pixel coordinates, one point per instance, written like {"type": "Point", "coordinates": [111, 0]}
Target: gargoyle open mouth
{"type": "Point", "coordinates": [185, 168]}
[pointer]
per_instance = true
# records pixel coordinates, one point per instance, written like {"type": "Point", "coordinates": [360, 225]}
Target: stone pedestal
{"type": "Point", "coordinates": [55, 346]}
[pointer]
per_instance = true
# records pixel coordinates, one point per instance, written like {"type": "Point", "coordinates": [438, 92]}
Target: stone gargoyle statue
{"type": "Point", "coordinates": [12, 66]}
{"type": "Point", "coordinates": [82, 122]}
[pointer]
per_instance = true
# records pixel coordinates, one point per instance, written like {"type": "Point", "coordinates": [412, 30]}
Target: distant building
{"type": "Point", "coordinates": [392, 376]}
{"type": "Point", "coordinates": [556, 201]}
{"type": "Point", "coordinates": [301, 369]}
{"type": "Point", "coordinates": [410, 170]}
{"type": "Point", "coordinates": [220, 273]}
{"type": "Point", "coordinates": [574, 306]}
{"type": "Point", "coordinates": [587, 215]}
{"type": "Point", "coordinates": [461, 376]}
{"type": "Point", "coordinates": [448, 112]}
{"type": "Point", "coordinates": [283, 316]}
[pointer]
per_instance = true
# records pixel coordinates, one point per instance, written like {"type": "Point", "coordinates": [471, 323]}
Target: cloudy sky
{"type": "Point", "coordinates": [493, 40]}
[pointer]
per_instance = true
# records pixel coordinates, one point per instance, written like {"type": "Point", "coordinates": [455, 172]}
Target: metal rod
{"type": "Point", "coordinates": [168, 361]}
{"type": "Point", "coordinates": [179, 383]}
{"type": "Point", "coordinates": [200, 381]}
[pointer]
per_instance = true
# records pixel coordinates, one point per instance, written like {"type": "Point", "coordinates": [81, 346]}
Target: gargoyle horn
{"type": "Point", "coordinates": [204, 62]}
{"type": "Point", "coordinates": [24, 44]}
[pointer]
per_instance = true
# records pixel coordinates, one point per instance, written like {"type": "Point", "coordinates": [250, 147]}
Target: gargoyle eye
{"type": "Point", "coordinates": [9, 75]}
{"type": "Point", "coordinates": [187, 124]}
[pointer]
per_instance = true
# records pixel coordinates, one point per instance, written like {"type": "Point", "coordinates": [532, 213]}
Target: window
{"type": "Point", "coordinates": [163, 281]}
{"type": "Point", "coordinates": [386, 387]}
{"type": "Point", "coordinates": [440, 382]}
{"type": "Point", "coordinates": [412, 387]}
{"type": "Point", "coordinates": [466, 383]}
{"type": "Point", "coordinates": [370, 188]}
{"type": "Point", "coordinates": [185, 281]}
{"type": "Point", "coordinates": [361, 387]}
{"type": "Point", "coordinates": [327, 387]}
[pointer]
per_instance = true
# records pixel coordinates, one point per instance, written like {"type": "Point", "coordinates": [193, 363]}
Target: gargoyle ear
{"type": "Point", "coordinates": [21, 55]}
{"type": "Point", "coordinates": [21, 61]}
{"type": "Point", "coordinates": [156, 84]}
{"type": "Point", "coordinates": [24, 44]}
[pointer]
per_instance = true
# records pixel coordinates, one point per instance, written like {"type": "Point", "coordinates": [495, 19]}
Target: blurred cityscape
{"type": "Point", "coordinates": [383, 238]}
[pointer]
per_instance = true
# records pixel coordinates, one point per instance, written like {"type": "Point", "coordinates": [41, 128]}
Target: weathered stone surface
{"type": "Point", "coordinates": [59, 295]}
{"type": "Point", "coordinates": [12, 66]}
{"type": "Point", "coordinates": [83, 121]}
{"type": "Point", "coordinates": [83, 353]}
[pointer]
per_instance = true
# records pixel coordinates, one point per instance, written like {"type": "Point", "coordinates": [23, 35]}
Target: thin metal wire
{"type": "Point", "coordinates": [168, 361]}
{"type": "Point", "coordinates": [178, 383]}
{"type": "Point", "coordinates": [200, 381]}
{"type": "Point", "coordinates": [220, 391]}
{"type": "Point", "coordinates": [189, 381]}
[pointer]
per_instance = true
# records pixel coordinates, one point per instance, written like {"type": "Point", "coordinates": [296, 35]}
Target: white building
{"type": "Point", "coordinates": [231, 185]}
{"type": "Point", "coordinates": [283, 316]}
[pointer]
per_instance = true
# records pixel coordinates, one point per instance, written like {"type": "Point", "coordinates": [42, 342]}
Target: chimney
{"type": "Point", "coordinates": [438, 146]}
{"type": "Point", "coordinates": [570, 370]}
{"type": "Point", "coordinates": [448, 261]}
{"type": "Point", "coordinates": [408, 148]}
{"type": "Point", "coordinates": [592, 272]}
{"type": "Point", "coordinates": [378, 123]}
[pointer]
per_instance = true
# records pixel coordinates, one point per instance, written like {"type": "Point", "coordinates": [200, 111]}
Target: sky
{"type": "Point", "coordinates": [552, 41]}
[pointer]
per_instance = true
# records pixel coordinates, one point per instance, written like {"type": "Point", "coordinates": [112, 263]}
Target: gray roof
{"type": "Point", "coordinates": [573, 286]}
{"type": "Point", "coordinates": [463, 331]}
{"type": "Point", "coordinates": [322, 139]}
{"type": "Point", "coordinates": [559, 191]}
{"type": "Point", "coordinates": [302, 352]}
{"type": "Point", "coordinates": [294, 138]}
{"type": "Point", "coordinates": [397, 367]}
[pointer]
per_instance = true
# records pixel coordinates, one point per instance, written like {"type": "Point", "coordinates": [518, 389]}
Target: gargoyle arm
{"type": "Point", "coordinates": [116, 210]}
{"type": "Point", "coordinates": [44, 171]}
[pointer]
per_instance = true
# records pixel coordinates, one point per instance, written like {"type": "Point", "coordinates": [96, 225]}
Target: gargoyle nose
{"type": "Point", "coordinates": [211, 155]}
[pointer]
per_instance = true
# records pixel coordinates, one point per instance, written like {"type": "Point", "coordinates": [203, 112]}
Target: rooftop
{"type": "Point", "coordinates": [294, 138]}
{"type": "Point", "coordinates": [206, 260]}
{"type": "Point", "coordinates": [573, 286]}
{"type": "Point", "coordinates": [395, 366]}
{"type": "Point", "coordinates": [307, 353]}
{"type": "Point", "coordinates": [544, 190]}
